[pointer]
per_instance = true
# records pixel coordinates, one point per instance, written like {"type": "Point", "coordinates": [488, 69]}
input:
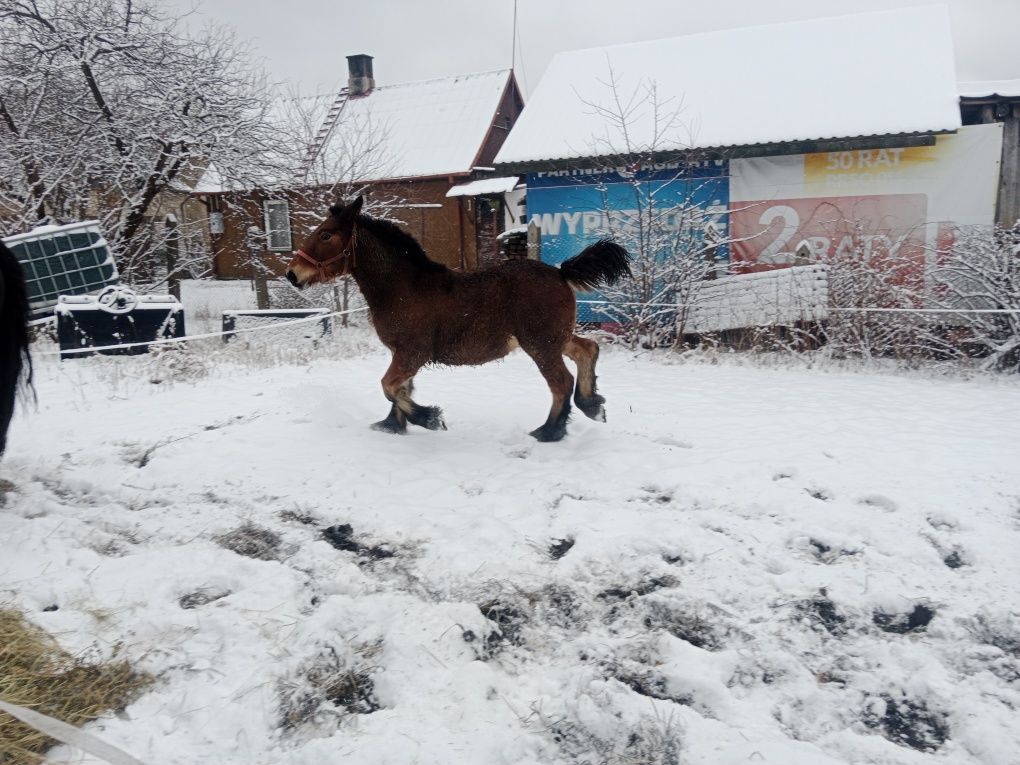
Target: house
{"type": "Point", "coordinates": [421, 152]}
{"type": "Point", "coordinates": [791, 139]}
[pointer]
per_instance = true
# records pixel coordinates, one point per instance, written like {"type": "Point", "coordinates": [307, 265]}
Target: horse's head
{"type": "Point", "coordinates": [328, 251]}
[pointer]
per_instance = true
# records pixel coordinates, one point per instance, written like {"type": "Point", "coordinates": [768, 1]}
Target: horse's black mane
{"type": "Point", "coordinates": [401, 242]}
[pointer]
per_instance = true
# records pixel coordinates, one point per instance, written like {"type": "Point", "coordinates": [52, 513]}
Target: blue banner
{"type": "Point", "coordinates": [577, 207]}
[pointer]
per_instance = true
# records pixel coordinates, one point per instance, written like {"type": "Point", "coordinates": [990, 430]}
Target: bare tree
{"type": "Point", "coordinates": [669, 214]}
{"type": "Point", "coordinates": [333, 158]}
{"type": "Point", "coordinates": [326, 152]}
{"type": "Point", "coordinates": [107, 104]}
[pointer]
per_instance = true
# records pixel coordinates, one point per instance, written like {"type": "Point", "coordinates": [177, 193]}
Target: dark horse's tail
{"type": "Point", "coordinates": [604, 262]}
{"type": "Point", "coordinates": [14, 356]}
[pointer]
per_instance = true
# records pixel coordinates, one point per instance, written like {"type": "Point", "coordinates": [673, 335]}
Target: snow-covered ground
{"type": "Point", "coordinates": [744, 565]}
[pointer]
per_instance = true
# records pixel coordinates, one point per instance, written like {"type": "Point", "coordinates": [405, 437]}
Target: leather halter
{"type": "Point", "coordinates": [320, 265]}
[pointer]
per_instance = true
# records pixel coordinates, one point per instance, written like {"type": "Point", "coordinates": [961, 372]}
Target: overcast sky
{"type": "Point", "coordinates": [306, 41]}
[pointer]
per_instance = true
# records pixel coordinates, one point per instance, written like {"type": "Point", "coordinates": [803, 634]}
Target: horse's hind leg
{"type": "Point", "coordinates": [560, 382]}
{"type": "Point", "coordinates": [394, 422]}
{"type": "Point", "coordinates": [397, 384]}
{"type": "Point", "coordinates": [585, 353]}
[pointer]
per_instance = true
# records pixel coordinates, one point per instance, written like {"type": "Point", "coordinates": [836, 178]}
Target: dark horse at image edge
{"type": "Point", "coordinates": [427, 314]}
{"type": "Point", "coordinates": [15, 361]}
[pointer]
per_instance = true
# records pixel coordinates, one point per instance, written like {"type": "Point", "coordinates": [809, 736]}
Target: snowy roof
{"type": "Point", "coordinates": [868, 74]}
{"type": "Point", "coordinates": [986, 88]}
{"type": "Point", "coordinates": [210, 182]}
{"type": "Point", "coordinates": [484, 186]}
{"type": "Point", "coordinates": [410, 130]}
{"type": "Point", "coordinates": [427, 128]}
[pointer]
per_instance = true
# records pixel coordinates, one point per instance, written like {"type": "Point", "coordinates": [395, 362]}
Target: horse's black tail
{"type": "Point", "coordinates": [15, 360]}
{"type": "Point", "coordinates": [604, 262]}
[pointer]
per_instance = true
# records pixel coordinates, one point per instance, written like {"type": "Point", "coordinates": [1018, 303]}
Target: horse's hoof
{"type": "Point", "coordinates": [389, 425]}
{"type": "Point", "coordinates": [592, 407]}
{"type": "Point", "coordinates": [428, 417]}
{"type": "Point", "coordinates": [547, 434]}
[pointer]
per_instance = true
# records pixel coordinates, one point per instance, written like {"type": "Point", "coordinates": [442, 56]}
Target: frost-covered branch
{"type": "Point", "coordinates": [107, 105]}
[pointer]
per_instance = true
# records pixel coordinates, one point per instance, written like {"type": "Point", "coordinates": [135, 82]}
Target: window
{"type": "Point", "coordinates": [277, 214]}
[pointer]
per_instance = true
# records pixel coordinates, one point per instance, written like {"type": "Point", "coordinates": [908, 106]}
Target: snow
{"type": "Point", "coordinates": [986, 88]}
{"type": "Point", "coordinates": [734, 530]}
{"type": "Point", "coordinates": [50, 231]}
{"type": "Point", "coordinates": [802, 80]}
{"type": "Point", "coordinates": [484, 186]}
{"type": "Point", "coordinates": [512, 232]}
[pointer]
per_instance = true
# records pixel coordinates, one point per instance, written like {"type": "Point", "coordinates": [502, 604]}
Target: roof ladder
{"type": "Point", "coordinates": [325, 131]}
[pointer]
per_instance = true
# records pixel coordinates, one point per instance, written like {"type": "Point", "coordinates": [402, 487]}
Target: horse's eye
{"type": "Point", "coordinates": [325, 236]}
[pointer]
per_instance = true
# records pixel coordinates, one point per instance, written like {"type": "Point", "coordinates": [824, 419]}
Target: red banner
{"type": "Point", "coordinates": [886, 231]}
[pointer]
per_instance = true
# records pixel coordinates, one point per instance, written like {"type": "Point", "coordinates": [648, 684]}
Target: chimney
{"type": "Point", "coordinates": [359, 75]}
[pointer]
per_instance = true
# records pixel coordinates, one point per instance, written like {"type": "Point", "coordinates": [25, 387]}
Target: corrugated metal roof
{"type": "Point", "coordinates": [869, 74]}
{"type": "Point", "coordinates": [989, 88]}
{"type": "Point", "coordinates": [417, 129]}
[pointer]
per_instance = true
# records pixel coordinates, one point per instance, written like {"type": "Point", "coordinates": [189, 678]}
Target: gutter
{"type": "Point", "coordinates": [899, 141]}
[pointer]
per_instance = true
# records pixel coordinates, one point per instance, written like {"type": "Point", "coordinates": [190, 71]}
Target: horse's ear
{"type": "Point", "coordinates": [345, 216]}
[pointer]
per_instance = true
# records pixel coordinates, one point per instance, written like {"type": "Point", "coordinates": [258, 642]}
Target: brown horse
{"type": "Point", "coordinates": [427, 314]}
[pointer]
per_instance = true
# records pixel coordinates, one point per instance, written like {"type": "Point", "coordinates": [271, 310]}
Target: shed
{"type": "Point", "coordinates": [785, 135]}
{"type": "Point", "coordinates": [862, 80]}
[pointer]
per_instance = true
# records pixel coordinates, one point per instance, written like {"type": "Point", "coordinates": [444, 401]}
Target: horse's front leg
{"type": "Point", "coordinates": [397, 384]}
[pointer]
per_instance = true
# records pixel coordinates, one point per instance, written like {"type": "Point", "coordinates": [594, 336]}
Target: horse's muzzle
{"type": "Point", "coordinates": [292, 278]}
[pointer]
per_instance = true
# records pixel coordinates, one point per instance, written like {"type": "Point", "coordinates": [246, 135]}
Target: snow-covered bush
{"type": "Point", "coordinates": [176, 362]}
{"type": "Point", "coordinates": [863, 280]}
{"type": "Point", "coordinates": [981, 277]}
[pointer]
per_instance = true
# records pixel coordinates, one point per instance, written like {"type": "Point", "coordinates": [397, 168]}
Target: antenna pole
{"type": "Point", "coordinates": [513, 47]}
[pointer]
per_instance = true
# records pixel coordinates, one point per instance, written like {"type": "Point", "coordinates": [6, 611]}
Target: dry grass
{"type": "Point", "coordinates": [252, 541]}
{"type": "Point", "coordinates": [329, 687]}
{"type": "Point", "coordinates": [36, 673]}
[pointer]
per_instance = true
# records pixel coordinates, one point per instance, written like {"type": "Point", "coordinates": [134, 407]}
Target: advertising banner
{"type": "Point", "coordinates": [900, 204]}
{"type": "Point", "coordinates": [576, 207]}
